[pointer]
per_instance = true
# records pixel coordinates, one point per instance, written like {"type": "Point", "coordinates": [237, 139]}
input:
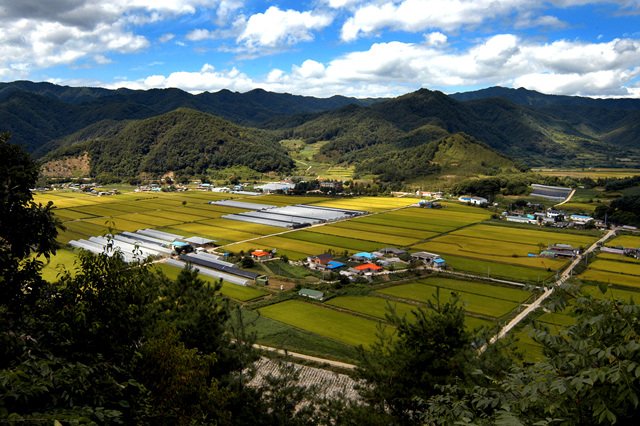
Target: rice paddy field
{"type": "Point", "coordinates": [593, 173]}
{"type": "Point", "coordinates": [459, 233]}
{"type": "Point", "coordinates": [329, 323]}
{"type": "Point", "coordinates": [626, 241]}
{"type": "Point", "coordinates": [355, 319]}
{"type": "Point", "coordinates": [398, 226]}
{"type": "Point", "coordinates": [503, 251]}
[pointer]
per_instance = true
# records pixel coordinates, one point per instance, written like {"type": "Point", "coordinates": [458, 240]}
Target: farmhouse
{"type": "Point", "coordinates": [311, 294]}
{"type": "Point", "coordinates": [429, 204]}
{"type": "Point", "coordinates": [477, 201]}
{"type": "Point", "coordinates": [363, 257]}
{"type": "Point", "coordinates": [272, 187]}
{"type": "Point", "coordinates": [430, 259]}
{"type": "Point", "coordinates": [261, 255]}
{"type": "Point", "coordinates": [333, 265]}
{"type": "Point", "coordinates": [521, 219]}
{"type": "Point", "coordinates": [367, 267]}
{"type": "Point", "coordinates": [580, 219]}
{"type": "Point", "coordinates": [392, 250]}
{"type": "Point", "coordinates": [319, 261]}
{"type": "Point", "coordinates": [562, 250]}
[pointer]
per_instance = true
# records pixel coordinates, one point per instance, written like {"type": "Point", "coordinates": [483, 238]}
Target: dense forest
{"type": "Point", "coordinates": [112, 344]}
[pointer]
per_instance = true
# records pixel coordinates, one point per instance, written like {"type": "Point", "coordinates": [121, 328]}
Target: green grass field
{"type": "Point", "coordinates": [473, 303]}
{"type": "Point", "coordinates": [480, 287]}
{"type": "Point", "coordinates": [340, 326]}
{"type": "Point", "coordinates": [498, 270]}
{"type": "Point", "coordinates": [370, 305]}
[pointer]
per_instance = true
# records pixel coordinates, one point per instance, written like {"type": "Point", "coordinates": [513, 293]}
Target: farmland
{"type": "Point", "coordinates": [497, 245]}
{"type": "Point", "coordinates": [323, 321]}
{"type": "Point", "coordinates": [462, 234]}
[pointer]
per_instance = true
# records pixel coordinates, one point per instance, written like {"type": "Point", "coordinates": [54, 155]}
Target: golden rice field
{"type": "Point", "coordinates": [593, 173]}
{"type": "Point", "coordinates": [626, 241]}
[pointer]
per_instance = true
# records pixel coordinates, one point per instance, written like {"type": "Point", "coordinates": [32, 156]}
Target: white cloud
{"type": "Point", "coordinates": [63, 32]}
{"type": "Point", "coordinates": [435, 39]}
{"type": "Point", "coordinates": [420, 15]}
{"type": "Point", "coordinates": [199, 34]}
{"type": "Point", "coordinates": [206, 79]}
{"type": "Point", "coordinates": [394, 68]}
{"type": "Point", "coordinates": [166, 37]}
{"type": "Point", "coordinates": [276, 28]}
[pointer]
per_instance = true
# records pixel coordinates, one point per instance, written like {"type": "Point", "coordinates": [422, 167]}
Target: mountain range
{"type": "Point", "coordinates": [130, 132]}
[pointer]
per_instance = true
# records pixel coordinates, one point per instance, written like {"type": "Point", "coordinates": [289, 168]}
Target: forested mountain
{"type": "Point", "coordinates": [530, 128]}
{"type": "Point", "coordinates": [537, 137]}
{"type": "Point", "coordinates": [37, 113]}
{"type": "Point", "coordinates": [184, 141]}
{"type": "Point", "coordinates": [608, 123]}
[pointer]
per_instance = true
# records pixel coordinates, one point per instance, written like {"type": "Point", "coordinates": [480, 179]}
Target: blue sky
{"type": "Point", "coordinates": [326, 47]}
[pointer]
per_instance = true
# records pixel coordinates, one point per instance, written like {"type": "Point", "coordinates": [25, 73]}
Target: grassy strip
{"type": "Point", "coordinates": [626, 241]}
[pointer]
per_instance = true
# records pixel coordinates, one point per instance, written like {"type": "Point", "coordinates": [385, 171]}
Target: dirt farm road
{"type": "Point", "coordinates": [548, 291]}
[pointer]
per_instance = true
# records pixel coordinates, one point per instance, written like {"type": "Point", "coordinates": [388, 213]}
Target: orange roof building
{"type": "Point", "coordinates": [368, 267]}
{"type": "Point", "coordinates": [260, 253]}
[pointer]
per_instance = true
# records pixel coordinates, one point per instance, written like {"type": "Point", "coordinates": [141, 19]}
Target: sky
{"type": "Point", "coordinates": [323, 48]}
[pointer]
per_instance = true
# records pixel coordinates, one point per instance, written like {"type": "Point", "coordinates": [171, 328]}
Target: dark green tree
{"type": "Point", "coordinates": [430, 347]}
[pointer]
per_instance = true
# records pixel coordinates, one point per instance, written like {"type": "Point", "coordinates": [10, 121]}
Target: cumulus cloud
{"type": "Point", "coordinates": [58, 32]}
{"type": "Point", "coordinates": [392, 68]}
{"type": "Point", "coordinates": [435, 39]}
{"type": "Point", "coordinates": [205, 79]}
{"type": "Point", "coordinates": [275, 28]}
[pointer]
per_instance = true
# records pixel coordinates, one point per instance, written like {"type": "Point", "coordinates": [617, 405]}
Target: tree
{"type": "Point", "coordinates": [26, 228]}
{"type": "Point", "coordinates": [591, 375]}
{"type": "Point", "coordinates": [430, 348]}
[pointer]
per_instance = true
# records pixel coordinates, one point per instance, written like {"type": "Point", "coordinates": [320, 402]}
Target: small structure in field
{"type": "Point", "coordinates": [311, 294]}
{"type": "Point", "coordinates": [476, 201]}
{"type": "Point", "coordinates": [430, 259]}
{"type": "Point", "coordinates": [261, 255]}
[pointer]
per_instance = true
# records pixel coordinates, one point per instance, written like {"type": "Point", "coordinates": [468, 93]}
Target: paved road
{"type": "Point", "coordinates": [545, 295]}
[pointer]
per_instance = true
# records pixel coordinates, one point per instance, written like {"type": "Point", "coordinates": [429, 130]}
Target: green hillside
{"type": "Point", "coordinates": [183, 141]}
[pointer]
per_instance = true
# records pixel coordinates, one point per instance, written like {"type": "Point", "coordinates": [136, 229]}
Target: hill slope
{"type": "Point", "coordinates": [182, 141]}
{"type": "Point", "coordinates": [37, 113]}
